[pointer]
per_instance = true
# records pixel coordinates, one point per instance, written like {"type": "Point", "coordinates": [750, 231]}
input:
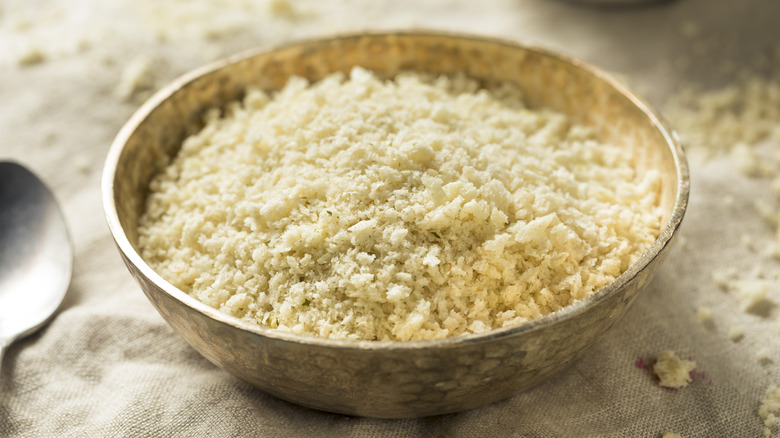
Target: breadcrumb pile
{"type": "Point", "coordinates": [415, 208]}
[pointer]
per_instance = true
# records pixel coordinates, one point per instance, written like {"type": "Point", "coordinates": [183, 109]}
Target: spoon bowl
{"type": "Point", "coordinates": [36, 254]}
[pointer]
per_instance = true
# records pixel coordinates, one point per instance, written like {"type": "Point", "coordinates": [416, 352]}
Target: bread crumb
{"type": "Point", "coordinates": [763, 355]}
{"type": "Point", "coordinates": [83, 164]}
{"type": "Point", "coordinates": [31, 56]}
{"type": "Point", "coordinates": [285, 9]}
{"type": "Point", "coordinates": [747, 161]}
{"type": "Point", "coordinates": [772, 249]}
{"type": "Point", "coordinates": [769, 411]}
{"type": "Point", "coordinates": [767, 211]}
{"type": "Point", "coordinates": [672, 371]}
{"type": "Point", "coordinates": [50, 138]}
{"type": "Point", "coordinates": [747, 241]}
{"type": "Point", "coordinates": [136, 76]}
{"type": "Point", "coordinates": [736, 116]}
{"type": "Point", "coordinates": [754, 296]}
{"type": "Point", "coordinates": [21, 24]}
{"type": "Point", "coordinates": [736, 332]}
{"type": "Point", "coordinates": [722, 279]}
{"type": "Point", "coordinates": [690, 29]}
{"type": "Point", "coordinates": [221, 30]}
{"type": "Point", "coordinates": [83, 44]}
{"type": "Point", "coordinates": [704, 314]}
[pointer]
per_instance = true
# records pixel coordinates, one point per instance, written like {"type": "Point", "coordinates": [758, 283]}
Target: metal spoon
{"type": "Point", "coordinates": [36, 254]}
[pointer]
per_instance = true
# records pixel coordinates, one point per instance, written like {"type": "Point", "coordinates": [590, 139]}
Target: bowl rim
{"type": "Point", "coordinates": [132, 256]}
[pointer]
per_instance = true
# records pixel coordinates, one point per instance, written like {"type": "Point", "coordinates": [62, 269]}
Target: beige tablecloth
{"type": "Point", "coordinates": [108, 365]}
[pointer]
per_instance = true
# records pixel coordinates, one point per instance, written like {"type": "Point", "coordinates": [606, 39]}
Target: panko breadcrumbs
{"type": "Point", "coordinates": [414, 208]}
{"type": "Point", "coordinates": [769, 411]}
{"type": "Point", "coordinates": [673, 372]}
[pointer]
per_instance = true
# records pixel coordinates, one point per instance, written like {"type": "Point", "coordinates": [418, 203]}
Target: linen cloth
{"type": "Point", "coordinates": [108, 365]}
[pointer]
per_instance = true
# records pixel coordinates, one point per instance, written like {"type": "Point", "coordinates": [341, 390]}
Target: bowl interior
{"type": "Point", "coordinates": [154, 134]}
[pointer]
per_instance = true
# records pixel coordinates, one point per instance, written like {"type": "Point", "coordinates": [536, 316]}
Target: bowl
{"type": "Point", "coordinates": [383, 378]}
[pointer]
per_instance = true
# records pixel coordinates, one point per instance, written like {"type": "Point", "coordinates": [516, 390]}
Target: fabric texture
{"type": "Point", "coordinates": [108, 365]}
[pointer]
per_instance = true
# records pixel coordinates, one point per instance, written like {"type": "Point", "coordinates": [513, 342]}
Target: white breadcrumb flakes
{"type": "Point", "coordinates": [754, 295]}
{"type": "Point", "coordinates": [771, 250]}
{"type": "Point", "coordinates": [136, 76]}
{"type": "Point", "coordinates": [414, 208]}
{"type": "Point", "coordinates": [673, 372]}
{"type": "Point", "coordinates": [767, 211]}
{"type": "Point", "coordinates": [748, 162]}
{"type": "Point", "coordinates": [736, 332]}
{"type": "Point", "coordinates": [722, 279]}
{"type": "Point", "coordinates": [757, 273]}
{"type": "Point", "coordinates": [31, 56]}
{"type": "Point", "coordinates": [718, 121]}
{"type": "Point", "coordinates": [769, 411]}
{"type": "Point", "coordinates": [82, 163]}
{"type": "Point", "coordinates": [21, 24]}
{"type": "Point", "coordinates": [704, 314]}
{"type": "Point", "coordinates": [763, 355]}
{"type": "Point", "coordinates": [221, 21]}
{"type": "Point", "coordinates": [285, 9]}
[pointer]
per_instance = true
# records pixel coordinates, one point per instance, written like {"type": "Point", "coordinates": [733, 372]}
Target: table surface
{"type": "Point", "coordinates": [108, 365]}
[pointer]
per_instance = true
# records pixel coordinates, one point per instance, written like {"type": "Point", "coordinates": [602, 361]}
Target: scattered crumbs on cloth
{"type": "Point", "coordinates": [769, 411]}
{"type": "Point", "coordinates": [719, 121]}
{"type": "Point", "coordinates": [669, 371]}
{"type": "Point", "coordinates": [673, 372]}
